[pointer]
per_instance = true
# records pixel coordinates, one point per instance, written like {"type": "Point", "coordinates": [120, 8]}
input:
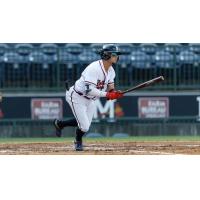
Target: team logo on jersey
{"type": "Point", "coordinates": [100, 84]}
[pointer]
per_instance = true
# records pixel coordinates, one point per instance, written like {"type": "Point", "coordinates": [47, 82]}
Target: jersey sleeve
{"type": "Point", "coordinates": [91, 90]}
{"type": "Point", "coordinates": [90, 75]}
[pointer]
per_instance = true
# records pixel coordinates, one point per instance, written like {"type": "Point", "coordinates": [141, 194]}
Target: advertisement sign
{"type": "Point", "coordinates": [153, 107]}
{"type": "Point", "coordinates": [46, 108]}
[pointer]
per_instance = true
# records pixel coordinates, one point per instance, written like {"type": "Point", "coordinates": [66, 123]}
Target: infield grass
{"type": "Point", "coordinates": [105, 139]}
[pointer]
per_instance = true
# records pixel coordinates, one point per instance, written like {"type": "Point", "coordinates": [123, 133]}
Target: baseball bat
{"type": "Point", "coordinates": [145, 84]}
{"type": "Point", "coordinates": [1, 97]}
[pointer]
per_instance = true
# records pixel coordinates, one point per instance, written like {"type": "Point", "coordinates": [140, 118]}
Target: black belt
{"type": "Point", "coordinates": [81, 94]}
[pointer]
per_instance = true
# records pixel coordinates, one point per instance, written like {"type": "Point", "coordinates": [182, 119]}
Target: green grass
{"type": "Point", "coordinates": [130, 139]}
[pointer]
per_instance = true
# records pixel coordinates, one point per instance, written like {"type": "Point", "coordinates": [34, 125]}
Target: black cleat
{"type": "Point", "coordinates": [78, 146]}
{"type": "Point", "coordinates": [58, 129]}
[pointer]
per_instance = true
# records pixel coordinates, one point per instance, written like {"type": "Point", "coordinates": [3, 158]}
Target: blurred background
{"type": "Point", "coordinates": [32, 81]}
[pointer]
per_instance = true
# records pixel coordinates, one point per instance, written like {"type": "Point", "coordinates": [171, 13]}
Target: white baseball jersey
{"type": "Point", "coordinates": [94, 76]}
{"type": "Point", "coordinates": [94, 79]}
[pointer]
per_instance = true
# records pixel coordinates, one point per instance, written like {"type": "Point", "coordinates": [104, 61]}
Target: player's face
{"type": "Point", "coordinates": [114, 58]}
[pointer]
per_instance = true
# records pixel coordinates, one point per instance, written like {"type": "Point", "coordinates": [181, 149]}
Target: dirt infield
{"type": "Point", "coordinates": [102, 148]}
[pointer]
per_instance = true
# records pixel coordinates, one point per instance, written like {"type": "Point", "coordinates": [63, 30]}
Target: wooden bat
{"type": "Point", "coordinates": [145, 84]}
{"type": "Point", "coordinates": [1, 97]}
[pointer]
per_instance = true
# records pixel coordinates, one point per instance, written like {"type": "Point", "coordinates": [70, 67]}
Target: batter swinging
{"type": "Point", "coordinates": [97, 80]}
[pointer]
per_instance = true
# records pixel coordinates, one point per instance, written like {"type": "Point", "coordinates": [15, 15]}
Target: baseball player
{"type": "Point", "coordinates": [97, 80]}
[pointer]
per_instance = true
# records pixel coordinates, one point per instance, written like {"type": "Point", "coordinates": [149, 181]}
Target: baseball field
{"type": "Point", "coordinates": [149, 145]}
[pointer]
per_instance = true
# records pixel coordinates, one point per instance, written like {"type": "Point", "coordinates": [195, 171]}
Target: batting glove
{"type": "Point", "coordinates": [114, 95]}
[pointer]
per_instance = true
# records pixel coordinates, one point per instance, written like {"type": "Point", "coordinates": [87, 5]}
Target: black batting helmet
{"type": "Point", "coordinates": [108, 50]}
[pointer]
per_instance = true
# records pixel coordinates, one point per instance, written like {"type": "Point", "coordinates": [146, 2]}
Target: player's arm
{"type": "Point", "coordinates": [90, 77]}
{"type": "Point", "coordinates": [111, 87]}
{"type": "Point", "coordinates": [90, 89]}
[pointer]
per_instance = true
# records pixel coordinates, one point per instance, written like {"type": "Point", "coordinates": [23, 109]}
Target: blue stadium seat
{"type": "Point", "coordinates": [125, 48]}
{"type": "Point", "coordinates": [74, 48]}
{"type": "Point", "coordinates": [37, 56]}
{"type": "Point", "coordinates": [195, 48]}
{"type": "Point", "coordinates": [163, 59]}
{"type": "Point", "coordinates": [66, 58]}
{"type": "Point", "coordinates": [3, 49]}
{"type": "Point", "coordinates": [50, 53]}
{"type": "Point", "coordinates": [88, 56]}
{"type": "Point", "coordinates": [13, 57]}
{"type": "Point", "coordinates": [96, 47]}
{"type": "Point", "coordinates": [16, 61]}
{"type": "Point", "coordinates": [125, 60]}
{"type": "Point", "coordinates": [188, 57]}
{"type": "Point", "coordinates": [50, 49]}
{"type": "Point", "coordinates": [43, 63]}
{"type": "Point", "coordinates": [141, 60]}
{"type": "Point", "coordinates": [68, 65]}
{"type": "Point", "coordinates": [173, 48]}
{"type": "Point", "coordinates": [24, 49]}
{"type": "Point", "coordinates": [148, 48]}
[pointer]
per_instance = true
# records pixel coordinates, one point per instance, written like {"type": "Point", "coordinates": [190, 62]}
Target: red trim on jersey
{"type": "Point", "coordinates": [102, 70]}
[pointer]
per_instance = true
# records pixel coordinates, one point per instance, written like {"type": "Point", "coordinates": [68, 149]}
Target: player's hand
{"type": "Point", "coordinates": [114, 95]}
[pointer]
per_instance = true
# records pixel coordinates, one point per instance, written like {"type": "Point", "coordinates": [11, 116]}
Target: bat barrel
{"type": "Point", "coordinates": [145, 84]}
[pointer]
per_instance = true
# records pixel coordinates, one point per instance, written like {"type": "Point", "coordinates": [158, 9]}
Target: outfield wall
{"type": "Point", "coordinates": [171, 113]}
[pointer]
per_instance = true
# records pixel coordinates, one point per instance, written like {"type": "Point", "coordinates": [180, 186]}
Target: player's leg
{"type": "Point", "coordinates": [79, 106]}
{"type": "Point", "coordinates": [79, 111]}
{"type": "Point", "coordinates": [60, 124]}
{"type": "Point", "coordinates": [88, 115]}
{"type": "Point", "coordinates": [91, 110]}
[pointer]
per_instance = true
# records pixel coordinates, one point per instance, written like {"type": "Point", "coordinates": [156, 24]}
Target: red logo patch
{"type": "Point", "coordinates": [100, 84]}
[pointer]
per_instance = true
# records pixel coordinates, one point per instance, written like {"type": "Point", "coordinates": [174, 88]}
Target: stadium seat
{"type": "Point", "coordinates": [49, 49]}
{"type": "Point", "coordinates": [96, 47]}
{"type": "Point", "coordinates": [188, 57]}
{"type": "Point", "coordinates": [120, 135]}
{"type": "Point", "coordinates": [88, 57]}
{"type": "Point", "coordinates": [23, 49]}
{"type": "Point", "coordinates": [141, 60]}
{"type": "Point", "coordinates": [94, 135]}
{"type": "Point", "coordinates": [163, 59]}
{"type": "Point", "coordinates": [148, 48]}
{"type": "Point", "coordinates": [74, 48]}
{"type": "Point", "coordinates": [125, 59]}
{"type": "Point", "coordinates": [13, 58]}
{"type": "Point", "coordinates": [37, 56]}
{"type": "Point", "coordinates": [68, 65]}
{"type": "Point", "coordinates": [43, 56]}
{"type": "Point", "coordinates": [195, 48]}
{"type": "Point", "coordinates": [50, 53]}
{"type": "Point", "coordinates": [3, 49]}
{"type": "Point", "coordinates": [66, 58]}
{"type": "Point", "coordinates": [16, 70]}
{"type": "Point", "coordinates": [43, 63]}
{"type": "Point", "coordinates": [173, 48]}
{"type": "Point", "coordinates": [125, 48]}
